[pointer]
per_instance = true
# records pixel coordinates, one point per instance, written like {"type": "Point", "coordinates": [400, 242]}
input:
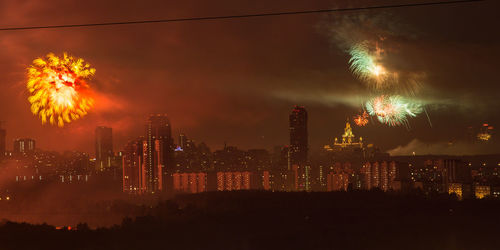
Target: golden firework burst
{"type": "Point", "coordinates": [58, 90]}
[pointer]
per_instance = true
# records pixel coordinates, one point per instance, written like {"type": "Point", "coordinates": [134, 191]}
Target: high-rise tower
{"type": "Point", "coordinates": [158, 152]}
{"type": "Point", "coordinates": [3, 134]}
{"type": "Point", "coordinates": [134, 174]}
{"type": "Point", "coordinates": [298, 136]}
{"type": "Point", "coordinates": [297, 154]}
{"type": "Point", "coordinates": [103, 148]}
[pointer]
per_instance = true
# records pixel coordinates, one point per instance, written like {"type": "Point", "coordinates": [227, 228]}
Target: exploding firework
{"type": "Point", "coordinates": [57, 87]}
{"type": "Point", "coordinates": [362, 119]}
{"type": "Point", "coordinates": [393, 110]}
{"type": "Point", "coordinates": [365, 65]}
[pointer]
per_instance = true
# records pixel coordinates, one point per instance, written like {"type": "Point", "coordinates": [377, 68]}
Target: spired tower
{"type": "Point", "coordinates": [348, 135]}
{"type": "Point", "coordinates": [348, 142]}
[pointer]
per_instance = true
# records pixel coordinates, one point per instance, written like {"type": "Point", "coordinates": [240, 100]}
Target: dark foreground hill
{"type": "Point", "coordinates": [264, 220]}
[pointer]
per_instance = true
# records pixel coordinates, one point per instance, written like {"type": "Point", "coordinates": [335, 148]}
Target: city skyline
{"type": "Point", "coordinates": [421, 149]}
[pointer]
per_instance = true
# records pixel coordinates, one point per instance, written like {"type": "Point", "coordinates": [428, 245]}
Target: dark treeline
{"type": "Point", "coordinates": [266, 220]}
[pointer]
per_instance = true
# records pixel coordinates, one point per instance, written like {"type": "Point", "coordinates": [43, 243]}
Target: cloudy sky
{"type": "Point", "coordinates": [236, 81]}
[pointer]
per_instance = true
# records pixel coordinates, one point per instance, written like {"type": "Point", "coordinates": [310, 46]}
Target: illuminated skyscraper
{"type": "Point", "coordinates": [24, 146]}
{"type": "Point", "coordinates": [158, 152]}
{"type": "Point", "coordinates": [297, 154]}
{"type": "Point", "coordinates": [134, 174]}
{"type": "Point", "coordinates": [298, 137]}
{"type": "Point", "coordinates": [103, 148]}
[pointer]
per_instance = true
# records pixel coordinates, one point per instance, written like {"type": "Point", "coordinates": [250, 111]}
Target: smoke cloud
{"type": "Point", "coordinates": [443, 148]}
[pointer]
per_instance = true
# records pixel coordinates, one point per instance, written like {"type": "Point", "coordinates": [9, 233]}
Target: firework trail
{"type": "Point", "coordinates": [393, 110]}
{"type": "Point", "coordinates": [362, 119]}
{"type": "Point", "coordinates": [57, 87]}
{"type": "Point", "coordinates": [428, 117]}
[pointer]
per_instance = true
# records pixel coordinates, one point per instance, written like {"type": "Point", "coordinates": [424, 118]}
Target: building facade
{"type": "Point", "coordinates": [157, 152]}
{"type": "Point", "coordinates": [298, 137]}
{"type": "Point", "coordinates": [3, 135]}
{"type": "Point", "coordinates": [103, 148]}
{"type": "Point", "coordinates": [134, 174]}
{"type": "Point", "coordinates": [24, 146]}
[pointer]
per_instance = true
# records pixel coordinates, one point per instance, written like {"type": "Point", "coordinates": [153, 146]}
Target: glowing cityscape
{"type": "Point", "coordinates": [243, 125]}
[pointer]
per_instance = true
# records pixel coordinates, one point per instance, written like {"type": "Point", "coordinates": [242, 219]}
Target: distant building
{"type": "Point", "coordinates": [350, 148]}
{"type": "Point", "coordinates": [197, 182]}
{"type": "Point", "coordinates": [157, 152]}
{"type": "Point", "coordinates": [457, 189]}
{"type": "Point", "coordinates": [3, 134]}
{"type": "Point", "coordinates": [190, 182]}
{"type": "Point", "coordinates": [24, 146]}
{"type": "Point", "coordinates": [134, 174]}
{"type": "Point", "coordinates": [279, 158]}
{"type": "Point", "coordinates": [267, 180]}
{"type": "Point", "coordinates": [495, 191]}
{"type": "Point", "coordinates": [230, 159]}
{"type": "Point", "coordinates": [337, 182]}
{"type": "Point", "coordinates": [282, 180]}
{"type": "Point", "coordinates": [298, 137]}
{"type": "Point", "coordinates": [228, 181]}
{"type": "Point", "coordinates": [481, 191]}
{"type": "Point", "coordinates": [455, 171]}
{"type": "Point", "coordinates": [103, 148]}
{"type": "Point", "coordinates": [301, 178]}
{"type": "Point", "coordinates": [348, 141]}
{"type": "Point", "coordinates": [298, 166]}
{"type": "Point", "coordinates": [382, 175]}
{"type": "Point", "coordinates": [182, 141]}
{"type": "Point", "coordinates": [339, 177]}
{"type": "Point", "coordinates": [258, 159]}
{"type": "Point", "coordinates": [191, 157]}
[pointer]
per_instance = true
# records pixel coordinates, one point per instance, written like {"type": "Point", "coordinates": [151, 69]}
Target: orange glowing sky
{"type": "Point", "coordinates": [236, 81]}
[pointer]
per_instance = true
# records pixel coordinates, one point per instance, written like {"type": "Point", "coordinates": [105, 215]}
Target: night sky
{"type": "Point", "coordinates": [236, 81]}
